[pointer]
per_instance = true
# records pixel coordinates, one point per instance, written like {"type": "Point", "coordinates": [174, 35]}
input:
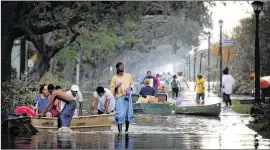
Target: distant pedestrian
{"type": "Point", "coordinates": [227, 86]}
{"type": "Point", "coordinates": [200, 88]}
{"type": "Point", "coordinates": [175, 87]}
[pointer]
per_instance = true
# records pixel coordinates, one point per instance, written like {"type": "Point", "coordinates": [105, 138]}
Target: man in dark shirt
{"type": "Point", "coordinates": [147, 89]}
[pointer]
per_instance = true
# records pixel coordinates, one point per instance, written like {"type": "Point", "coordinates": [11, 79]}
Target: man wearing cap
{"type": "Point", "coordinates": [77, 96]}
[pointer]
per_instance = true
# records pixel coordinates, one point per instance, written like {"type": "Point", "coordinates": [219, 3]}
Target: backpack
{"type": "Point", "coordinates": [174, 84]}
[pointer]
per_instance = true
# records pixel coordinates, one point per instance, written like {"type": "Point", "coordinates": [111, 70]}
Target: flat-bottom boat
{"type": "Point", "coordinates": [80, 123]}
{"type": "Point", "coordinates": [152, 108]}
{"type": "Point", "coordinates": [207, 110]}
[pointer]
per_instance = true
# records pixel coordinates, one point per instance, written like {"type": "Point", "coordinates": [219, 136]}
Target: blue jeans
{"type": "Point", "coordinates": [67, 113]}
{"type": "Point", "coordinates": [198, 96]}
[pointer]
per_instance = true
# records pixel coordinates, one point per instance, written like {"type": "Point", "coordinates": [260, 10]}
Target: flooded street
{"type": "Point", "coordinates": [152, 132]}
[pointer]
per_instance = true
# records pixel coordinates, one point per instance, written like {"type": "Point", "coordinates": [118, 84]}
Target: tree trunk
{"type": "Point", "coordinates": [11, 11]}
{"type": "Point", "coordinates": [40, 68]}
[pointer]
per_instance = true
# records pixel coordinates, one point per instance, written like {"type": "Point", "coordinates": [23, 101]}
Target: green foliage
{"type": "Point", "coordinates": [13, 94]}
{"type": "Point", "coordinates": [55, 80]}
{"type": "Point", "coordinates": [16, 93]}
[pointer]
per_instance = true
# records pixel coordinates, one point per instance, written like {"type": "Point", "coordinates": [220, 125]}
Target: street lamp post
{"type": "Point", "coordinates": [208, 65]}
{"type": "Point", "coordinates": [194, 67]}
{"type": "Point", "coordinates": [189, 67]}
{"type": "Point", "coordinates": [201, 53]}
{"type": "Point", "coordinates": [220, 60]}
{"type": "Point", "coordinates": [257, 6]}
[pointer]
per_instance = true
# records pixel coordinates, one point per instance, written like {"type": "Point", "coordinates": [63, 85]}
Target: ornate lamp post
{"type": "Point", "coordinates": [257, 6]}
{"type": "Point", "coordinates": [220, 60]}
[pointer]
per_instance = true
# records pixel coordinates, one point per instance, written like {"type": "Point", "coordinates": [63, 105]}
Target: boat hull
{"type": "Point", "coordinates": [81, 123]}
{"type": "Point", "coordinates": [152, 108]}
{"type": "Point", "coordinates": [207, 110]}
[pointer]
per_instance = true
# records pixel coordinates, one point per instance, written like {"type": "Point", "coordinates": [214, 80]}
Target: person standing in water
{"type": "Point", "coordinates": [227, 85]}
{"type": "Point", "coordinates": [200, 88]}
{"type": "Point", "coordinates": [183, 84]}
{"type": "Point", "coordinates": [67, 113]}
{"type": "Point", "coordinates": [121, 87]}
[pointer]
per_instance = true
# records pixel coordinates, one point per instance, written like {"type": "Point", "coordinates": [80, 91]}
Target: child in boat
{"type": "Point", "coordinates": [147, 89]}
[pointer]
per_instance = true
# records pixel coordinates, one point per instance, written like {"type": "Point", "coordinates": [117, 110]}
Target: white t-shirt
{"type": "Point", "coordinates": [102, 100]}
{"type": "Point", "coordinates": [228, 82]}
{"type": "Point", "coordinates": [181, 80]}
{"type": "Point", "coordinates": [78, 98]}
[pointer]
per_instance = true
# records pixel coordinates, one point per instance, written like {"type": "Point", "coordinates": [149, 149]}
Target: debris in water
{"type": "Point", "coordinates": [64, 130]}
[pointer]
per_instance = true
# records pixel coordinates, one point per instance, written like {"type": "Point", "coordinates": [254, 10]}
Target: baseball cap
{"type": "Point", "coordinates": [74, 88]}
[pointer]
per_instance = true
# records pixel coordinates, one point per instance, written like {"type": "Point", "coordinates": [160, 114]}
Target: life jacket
{"type": "Point", "coordinates": [25, 110]}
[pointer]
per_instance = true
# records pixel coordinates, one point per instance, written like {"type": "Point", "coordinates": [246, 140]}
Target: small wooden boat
{"type": "Point", "coordinates": [152, 108]}
{"type": "Point", "coordinates": [207, 110]}
{"type": "Point", "coordinates": [80, 123]}
{"type": "Point", "coordinates": [19, 124]}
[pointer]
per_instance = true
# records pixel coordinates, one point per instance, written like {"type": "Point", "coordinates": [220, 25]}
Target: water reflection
{"type": "Point", "coordinates": [152, 132]}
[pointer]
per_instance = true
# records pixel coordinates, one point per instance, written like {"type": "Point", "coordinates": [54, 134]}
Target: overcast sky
{"type": "Point", "coordinates": [230, 14]}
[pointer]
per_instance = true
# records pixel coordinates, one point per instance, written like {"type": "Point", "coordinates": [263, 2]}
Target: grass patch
{"type": "Point", "coordinates": [241, 108]}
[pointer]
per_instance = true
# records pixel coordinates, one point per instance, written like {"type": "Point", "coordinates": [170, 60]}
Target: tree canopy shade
{"type": "Point", "coordinates": [100, 31]}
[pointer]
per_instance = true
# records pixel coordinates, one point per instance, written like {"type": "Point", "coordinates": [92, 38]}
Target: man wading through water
{"type": "Point", "coordinates": [68, 111]}
{"type": "Point", "coordinates": [121, 87]}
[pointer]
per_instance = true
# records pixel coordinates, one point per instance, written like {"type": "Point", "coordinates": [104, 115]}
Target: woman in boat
{"type": "Point", "coordinates": [41, 100]}
{"type": "Point", "coordinates": [122, 86]}
{"type": "Point", "coordinates": [69, 109]}
{"type": "Point", "coordinates": [147, 89]}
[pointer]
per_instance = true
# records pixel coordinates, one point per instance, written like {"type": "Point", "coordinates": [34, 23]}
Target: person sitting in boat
{"type": "Point", "coordinates": [158, 81]}
{"type": "Point", "coordinates": [200, 88]}
{"type": "Point", "coordinates": [70, 106]}
{"type": "Point", "coordinates": [25, 110]}
{"type": "Point", "coordinates": [153, 82]}
{"type": "Point", "coordinates": [264, 81]}
{"type": "Point", "coordinates": [77, 96]}
{"type": "Point", "coordinates": [56, 109]}
{"type": "Point", "coordinates": [147, 89]}
{"type": "Point", "coordinates": [106, 103]}
{"type": "Point", "coordinates": [41, 100]}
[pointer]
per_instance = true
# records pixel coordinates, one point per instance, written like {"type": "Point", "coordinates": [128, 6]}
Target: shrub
{"type": "Point", "coordinates": [16, 93]}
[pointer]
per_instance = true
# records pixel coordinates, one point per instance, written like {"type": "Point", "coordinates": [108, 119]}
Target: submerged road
{"type": "Point", "coordinates": [227, 131]}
